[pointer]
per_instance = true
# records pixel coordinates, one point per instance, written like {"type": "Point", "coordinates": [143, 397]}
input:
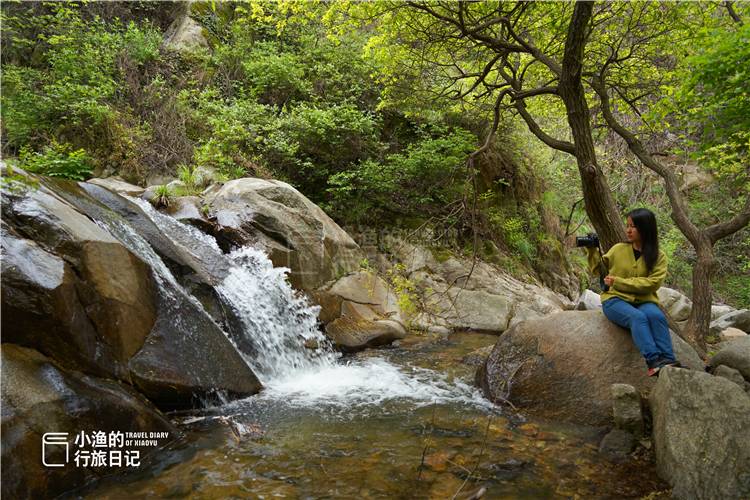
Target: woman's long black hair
{"type": "Point", "coordinates": [644, 221]}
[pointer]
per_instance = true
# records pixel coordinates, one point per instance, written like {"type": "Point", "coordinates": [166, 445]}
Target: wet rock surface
{"type": "Point", "coordinates": [295, 232]}
{"type": "Point", "coordinates": [67, 280]}
{"type": "Point", "coordinates": [74, 291]}
{"type": "Point", "coordinates": [39, 397]}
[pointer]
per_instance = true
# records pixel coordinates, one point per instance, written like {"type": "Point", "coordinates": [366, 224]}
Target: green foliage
{"type": "Point", "coordinates": [310, 143]}
{"type": "Point", "coordinates": [190, 177]}
{"type": "Point", "coordinates": [71, 92]}
{"type": "Point", "coordinates": [163, 196]}
{"type": "Point", "coordinates": [420, 181]}
{"type": "Point", "coordinates": [273, 77]}
{"type": "Point", "coordinates": [57, 160]}
{"type": "Point", "coordinates": [405, 290]}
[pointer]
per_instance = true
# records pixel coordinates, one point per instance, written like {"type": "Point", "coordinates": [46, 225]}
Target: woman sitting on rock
{"type": "Point", "coordinates": [634, 272]}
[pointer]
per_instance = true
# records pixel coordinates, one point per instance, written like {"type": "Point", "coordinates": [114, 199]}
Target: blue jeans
{"type": "Point", "coordinates": [647, 325]}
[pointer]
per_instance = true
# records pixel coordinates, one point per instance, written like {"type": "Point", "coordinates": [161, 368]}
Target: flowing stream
{"type": "Point", "coordinates": [399, 422]}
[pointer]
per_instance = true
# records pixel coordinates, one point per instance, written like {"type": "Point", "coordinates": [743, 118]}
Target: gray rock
{"type": "Point", "coordinates": [588, 301]}
{"type": "Point", "coordinates": [38, 396]}
{"type": "Point", "coordinates": [736, 319]}
{"type": "Point", "coordinates": [359, 311]}
{"type": "Point", "coordinates": [730, 374]}
{"type": "Point", "coordinates": [83, 292]}
{"type": "Point", "coordinates": [118, 185]}
{"type": "Point", "coordinates": [617, 445]}
{"type": "Point", "coordinates": [718, 311]}
{"type": "Point", "coordinates": [701, 435]}
{"type": "Point", "coordinates": [731, 333]}
{"type": "Point", "coordinates": [71, 282]}
{"type": "Point", "coordinates": [184, 34]}
{"type": "Point", "coordinates": [736, 354]}
{"type": "Point", "coordinates": [676, 304]}
{"type": "Point", "coordinates": [295, 232]}
{"type": "Point", "coordinates": [563, 365]}
{"type": "Point", "coordinates": [627, 409]}
{"type": "Point", "coordinates": [477, 357]}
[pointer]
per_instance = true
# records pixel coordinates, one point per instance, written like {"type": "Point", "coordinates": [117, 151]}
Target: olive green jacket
{"type": "Point", "coordinates": [633, 283]}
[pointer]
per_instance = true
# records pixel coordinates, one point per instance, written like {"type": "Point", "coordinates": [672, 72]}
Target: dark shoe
{"type": "Point", "coordinates": [668, 362]}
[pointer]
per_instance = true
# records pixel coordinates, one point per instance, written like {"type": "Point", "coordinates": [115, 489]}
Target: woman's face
{"type": "Point", "coordinates": [631, 232]}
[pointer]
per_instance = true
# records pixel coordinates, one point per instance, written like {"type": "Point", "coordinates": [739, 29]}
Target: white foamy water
{"type": "Point", "coordinates": [370, 382]}
{"type": "Point", "coordinates": [277, 321]}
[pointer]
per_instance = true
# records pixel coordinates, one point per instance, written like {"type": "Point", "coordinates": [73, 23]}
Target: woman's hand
{"type": "Point", "coordinates": [609, 280]}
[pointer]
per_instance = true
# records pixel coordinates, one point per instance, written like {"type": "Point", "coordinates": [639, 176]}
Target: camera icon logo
{"type": "Point", "coordinates": [50, 440]}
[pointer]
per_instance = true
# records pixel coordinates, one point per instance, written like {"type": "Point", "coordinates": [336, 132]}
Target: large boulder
{"type": "Point", "coordinates": [701, 435]}
{"type": "Point", "coordinates": [185, 34]}
{"type": "Point", "coordinates": [66, 277]}
{"type": "Point", "coordinates": [118, 185]}
{"type": "Point", "coordinates": [39, 397]}
{"type": "Point", "coordinates": [589, 301]}
{"type": "Point", "coordinates": [96, 297]}
{"type": "Point", "coordinates": [562, 366]}
{"type": "Point", "coordinates": [460, 294]}
{"type": "Point", "coordinates": [360, 310]}
{"type": "Point", "coordinates": [735, 354]}
{"type": "Point", "coordinates": [295, 232]}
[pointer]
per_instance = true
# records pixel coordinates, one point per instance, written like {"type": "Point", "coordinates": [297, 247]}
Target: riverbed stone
{"type": "Point", "coordinates": [735, 354]}
{"type": "Point", "coordinates": [701, 435]}
{"type": "Point", "coordinates": [626, 409]}
{"type": "Point", "coordinates": [617, 445]}
{"type": "Point", "coordinates": [160, 339]}
{"type": "Point", "coordinates": [38, 397]}
{"type": "Point", "coordinates": [118, 185]}
{"type": "Point", "coordinates": [562, 366]}
{"type": "Point", "coordinates": [359, 311]}
{"type": "Point", "coordinates": [295, 232]}
{"type": "Point", "coordinates": [42, 309]}
{"type": "Point", "coordinates": [730, 374]}
{"type": "Point", "coordinates": [719, 310]}
{"type": "Point", "coordinates": [735, 319]}
{"type": "Point", "coordinates": [731, 333]}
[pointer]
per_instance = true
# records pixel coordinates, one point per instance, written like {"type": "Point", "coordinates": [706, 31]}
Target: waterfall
{"type": "Point", "coordinates": [276, 321]}
{"type": "Point", "coordinates": [281, 321]}
{"type": "Point", "coordinates": [279, 328]}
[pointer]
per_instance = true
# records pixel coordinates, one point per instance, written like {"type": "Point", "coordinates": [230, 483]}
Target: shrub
{"type": "Point", "coordinates": [58, 160]}
{"type": "Point", "coordinates": [162, 196]}
{"type": "Point", "coordinates": [419, 182]}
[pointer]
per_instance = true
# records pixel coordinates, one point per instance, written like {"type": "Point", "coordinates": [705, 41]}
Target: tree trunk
{"type": "Point", "coordinates": [700, 315]}
{"type": "Point", "coordinates": [600, 206]}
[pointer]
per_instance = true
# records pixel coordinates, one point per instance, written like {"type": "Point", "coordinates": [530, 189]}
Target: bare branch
{"type": "Point", "coordinates": [732, 13]}
{"type": "Point", "coordinates": [535, 129]}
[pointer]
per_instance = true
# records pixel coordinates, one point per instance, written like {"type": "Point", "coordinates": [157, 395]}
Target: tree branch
{"type": "Point", "coordinates": [732, 13]}
{"type": "Point", "coordinates": [723, 229]}
{"type": "Point", "coordinates": [677, 202]}
{"type": "Point", "coordinates": [535, 129]}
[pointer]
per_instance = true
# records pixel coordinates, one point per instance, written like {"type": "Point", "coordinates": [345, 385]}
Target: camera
{"type": "Point", "coordinates": [590, 240]}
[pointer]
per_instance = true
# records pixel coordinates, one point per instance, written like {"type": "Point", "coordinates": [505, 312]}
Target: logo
{"type": "Point", "coordinates": [98, 448]}
{"type": "Point", "coordinates": [50, 440]}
